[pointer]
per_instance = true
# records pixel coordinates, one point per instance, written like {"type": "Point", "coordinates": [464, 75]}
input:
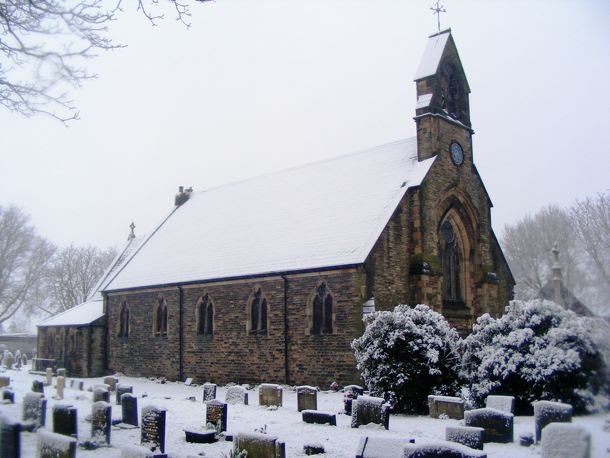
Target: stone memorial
{"type": "Point", "coordinates": [209, 391]}
{"type": "Point", "coordinates": [111, 381]}
{"type": "Point", "coordinates": [350, 393]}
{"type": "Point", "coordinates": [38, 386]}
{"type": "Point", "coordinates": [270, 394]}
{"type": "Point", "coordinates": [526, 439]}
{"type": "Point", "coordinates": [100, 393]}
{"type": "Point", "coordinates": [469, 436]}
{"type": "Point", "coordinates": [236, 395]}
{"type": "Point", "coordinates": [546, 412]}
{"type": "Point", "coordinates": [307, 398]}
{"type": "Point", "coordinates": [369, 409]}
{"type": "Point", "coordinates": [259, 445]}
{"type": "Point", "coordinates": [61, 372]}
{"type": "Point", "coordinates": [200, 437]}
{"type": "Point", "coordinates": [320, 418]}
{"type": "Point", "coordinates": [34, 409]}
{"type": "Point", "coordinates": [65, 420]}
{"type": "Point", "coordinates": [565, 440]}
{"type": "Point", "coordinates": [153, 428]}
{"type": "Point", "coordinates": [59, 387]}
{"type": "Point", "coordinates": [442, 449]}
{"type": "Point", "coordinates": [498, 425]}
{"type": "Point", "coordinates": [8, 395]}
{"type": "Point", "coordinates": [9, 360]}
{"type": "Point", "coordinates": [4, 381]}
{"type": "Point", "coordinates": [503, 403]}
{"type": "Point", "coordinates": [101, 422]}
{"type": "Point", "coordinates": [49, 379]}
{"type": "Point", "coordinates": [10, 438]}
{"type": "Point", "coordinates": [52, 445]}
{"type": "Point", "coordinates": [121, 389]}
{"type": "Point", "coordinates": [450, 406]}
{"type": "Point", "coordinates": [381, 447]}
{"type": "Point", "coordinates": [81, 385]}
{"type": "Point", "coordinates": [313, 449]}
{"type": "Point", "coordinates": [215, 413]}
{"type": "Point", "coordinates": [129, 409]}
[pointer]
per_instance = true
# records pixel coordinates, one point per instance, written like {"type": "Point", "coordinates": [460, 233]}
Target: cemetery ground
{"type": "Point", "coordinates": [184, 413]}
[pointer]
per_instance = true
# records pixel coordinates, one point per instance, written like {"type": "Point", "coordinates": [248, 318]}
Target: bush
{"type": "Point", "coordinates": [536, 350]}
{"type": "Point", "coordinates": [407, 354]}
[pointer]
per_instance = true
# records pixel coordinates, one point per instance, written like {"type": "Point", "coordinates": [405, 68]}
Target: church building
{"type": "Point", "coordinates": [267, 279]}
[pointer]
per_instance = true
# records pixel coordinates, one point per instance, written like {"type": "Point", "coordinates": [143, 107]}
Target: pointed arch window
{"type": "Point", "coordinates": [258, 311]}
{"type": "Point", "coordinates": [160, 317]}
{"type": "Point", "coordinates": [451, 262]}
{"type": "Point", "coordinates": [124, 320]}
{"type": "Point", "coordinates": [205, 316]}
{"type": "Point", "coordinates": [322, 306]}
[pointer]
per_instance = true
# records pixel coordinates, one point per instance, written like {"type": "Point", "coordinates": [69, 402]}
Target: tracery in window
{"type": "Point", "coordinates": [161, 317]}
{"type": "Point", "coordinates": [258, 312]}
{"type": "Point", "coordinates": [205, 315]}
{"type": "Point", "coordinates": [124, 320]}
{"type": "Point", "coordinates": [322, 311]}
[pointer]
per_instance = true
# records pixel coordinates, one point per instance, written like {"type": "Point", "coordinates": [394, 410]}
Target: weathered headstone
{"type": "Point", "coordinates": [100, 394]}
{"type": "Point", "coordinates": [546, 412]}
{"type": "Point", "coordinates": [503, 403]}
{"type": "Point", "coordinates": [52, 445]}
{"type": "Point", "coordinates": [200, 437]}
{"type": "Point", "coordinates": [38, 386]}
{"type": "Point", "coordinates": [564, 440]}
{"type": "Point", "coordinates": [259, 445]}
{"type": "Point", "coordinates": [65, 420]}
{"type": "Point", "coordinates": [498, 425]}
{"type": "Point", "coordinates": [4, 381]}
{"type": "Point", "coordinates": [215, 412]}
{"type": "Point", "coordinates": [469, 436]}
{"type": "Point", "coordinates": [369, 409]}
{"type": "Point", "coordinates": [350, 393]}
{"type": "Point", "coordinates": [307, 398]}
{"type": "Point", "coordinates": [49, 380]}
{"type": "Point", "coordinates": [442, 449]}
{"type": "Point", "coordinates": [35, 409]}
{"type": "Point", "coordinates": [314, 449]}
{"type": "Point", "coordinates": [8, 395]}
{"type": "Point", "coordinates": [129, 409]}
{"type": "Point", "coordinates": [153, 428]}
{"type": "Point", "coordinates": [61, 372]}
{"type": "Point", "coordinates": [381, 447]}
{"type": "Point", "coordinates": [121, 389]}
{"type": "Point", "coordinates": [101, 422]}
{"type": "Point", "coordinates": [81, 385]}
{"type": "Point", "coordinates": [9, 360]}
{"type": "Point", "coordinates": [24, 359]}
{"type": "Point", "coordinates": [10, 438]}
{"type": "Point", "coordinates": [111, 381]}
{"type": "Point", "coordinates": [526, 439]}
{"type": "Point", "coordinates": [236, 395]}
{"type": "Point", "coordinates": [450, 406]}
{"type": "Point", "coordinates": [320, 418]}
{"type": "Point", "coordinates": [270, 394]}
{"type": "Point", "coordinates": [60, 385]}
{"type": "Point", "coordinates": [209, 391]}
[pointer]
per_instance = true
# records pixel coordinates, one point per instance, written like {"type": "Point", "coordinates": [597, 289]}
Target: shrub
{"type": "Point", "coordinates": [407, 354]}
{"type": "Point", "coordinates": [536, 350]}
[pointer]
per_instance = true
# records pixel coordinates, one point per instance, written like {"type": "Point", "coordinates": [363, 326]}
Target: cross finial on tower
{"type": "Point", "coordinates": [438, 9]}
{"type": "Point", "coordinates": [132, 234]}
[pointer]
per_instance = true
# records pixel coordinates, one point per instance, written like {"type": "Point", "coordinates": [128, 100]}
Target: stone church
{"type": "Point", "coordinates": [266, 279]}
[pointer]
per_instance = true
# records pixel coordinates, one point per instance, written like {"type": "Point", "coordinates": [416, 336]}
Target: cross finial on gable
{"type": "Point", "coordinates": [132, 234]}
{"type": "Point", "coordinates": [438, 9]}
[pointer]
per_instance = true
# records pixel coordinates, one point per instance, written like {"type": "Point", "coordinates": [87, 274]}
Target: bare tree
{"type": "Point", "coordinates": [23, 258]}
{"type": "Point", "coordinates": [72, 275]}
{"type": "Point", "coordinates": [44, 44]}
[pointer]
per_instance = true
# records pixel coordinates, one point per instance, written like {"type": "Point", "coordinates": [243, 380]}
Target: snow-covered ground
{"type": "Point", "coordinates": [285, 422]}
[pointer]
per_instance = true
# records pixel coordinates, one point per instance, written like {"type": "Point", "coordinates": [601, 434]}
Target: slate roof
{"type": "Point", "coordinates": [432, 54]}
{"type": "Point", "coordinates": [321, 215]}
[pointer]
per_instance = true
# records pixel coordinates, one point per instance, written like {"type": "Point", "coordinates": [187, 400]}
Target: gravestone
{"type": "Point", "coordinates": [209, 391]}
{"type": "Point", "coordinates": [350, 393]}
{"type": "Point", "coordinates": [61, 382]}
{"type": "Point", "coordinates": [38, 386]}
{"type": "Point", "coordinates": [129, 409]}
{"type": "Point", "coordinates": [52, 445]}
{"type": "Point", "coordinates": [503, 403]}
{"type": "Point", "coordinates": [313, 449]}
{"type": "Point", "coordinates": [498, 425]}
{"type": "Point", "coordinates": [9, 360]}
{"type": "Point", "coordinates": [565, 440]}
{"type": "Point", "coordinates": [72, 382]}
{"type": "Point", "coordinates": [320, 418]}
{"type": "Point", "coordinates": [81, 385]}
{"type": "Point", "coordinates": [61, 372]}
{"type": "Point", "coordinates": [236, 395]}
{"type": "Point", "coordinates": [10, 438]}
{"type": "Point", "coordinates": [153, 428]}
{"type": "Point", "coordinates": [8, 395]}
{"type": "Point", "coordinates": [216, 411]}
{"type": "Point", "coordinates": [381, 447]}
{"type": "Point", "coordinates": [35, 409]}
{"type": "Point", "coordinates": [526, 439]}
{"type": "Point", "coordinates": [270, 394]}
{"type": "Point", "coordinates": [546, 412]}
{"type": "Point", "coordinates": [469, 436]}
{"type": "Point", "coordinates": [200, 437]}
{"type": "Point", "coordinates": [259, 445]}
{"type": "Point", "coordinates": [450, 406]}
{"type": "Point", "coordinates": [111, 381]}
{"type": "Point", "coordinates": [307, 398]}
{"type": "Point", "coordinates": [49, 380]}
{"type": "Point", "coordinates": [65, 420]}
{"type": "Point", "coordinates": [101, 422]}
{"type": "Point", "coordinates": [121, 390]}
{"type": "Point", "coordinates": [100, 394]}
{"type": "Point", "coordinates": [442, 449]}
{"type": "Point", "coordinates": [4, 381]}
{"type": "Point", "coordinates": [24, 359]}
{"type": "Point", "coordinates": [369, 409]}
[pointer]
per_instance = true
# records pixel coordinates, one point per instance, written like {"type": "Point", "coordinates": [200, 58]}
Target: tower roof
{"type": "Point", "coordinates": [432, 54]}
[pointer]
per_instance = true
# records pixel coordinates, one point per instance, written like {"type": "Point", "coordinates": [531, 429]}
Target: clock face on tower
{"type": "Point", "coordinates": [457, 153]}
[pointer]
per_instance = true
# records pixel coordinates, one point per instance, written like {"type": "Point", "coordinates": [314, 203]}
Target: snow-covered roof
{"type": "Point", "coordinates": [432, 54]}
{"type": "Point", "coordinates": [81, 314]}
{"type": "Point", "coordinates": [324, 214]}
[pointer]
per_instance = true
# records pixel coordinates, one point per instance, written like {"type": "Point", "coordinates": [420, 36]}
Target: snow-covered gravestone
{"type": "Point", "coordinates": [442, 449]}
{"type": "Point", "coordinates": [236, 395]}
{"type": "Point", "coordinates": [129, 409]}
{"type": "Point", "coordinates": [270, 394]}
{"type": "Point", "coordinates": [153, 428]}
{"type": "Point", "coordinates": [350, 393]}
{"type": "Point", "coordinates": [209, 391]}
{"type": "Point", "coordinates": [381, 447]}
{"type": "Point", "coordinates": [450, 406]}
{"type": "Point", "coordinates": [65, 420]}
{"type": "Point", "coordinates": [498, 425]}
{"type": "Point", "coordinates": [564, 440]}
{"type": "Point", "coordinates": [52, 445]}
{"type": "Point", "coordinates": [49, 380]}
{"type": "Point", "coordinates": [61, 372]}
{"type": "Point", "coordinates": [216, 414]}
{"type": "Point", "coordinates": [121, 389]}
{"type": "Point", "coordinates": [101, 393]}
{"type": "Point", "coordinates": [319, 418]}
{"type": "Point", "coordinates": [10, 438]}
{"type": "Point", "coordinates": [4, 381]}
{"type": "Point", "coordinates": [38, 386]}
{"type": "Point", "coordinates": [8, 360]}
{"type": "Point", "coordinates": [307, 398]}
{"type": "Point", "coordinates": [469, 436]}
{"type": "Point", "coordinates": [259, 445]}
{"type": "Point", "coordinates": [111, 381]}
{"type": "Point", "coordinates": [8, 396]}
{"type": "Point", "coordinates": [503, 403]}
{"type": "Point", "coordinates": [369, 409]}
{"type": "Point", "coordinates": [59, 387]}
{"type": "Point", "coordinates": [546, 412]}
{"type": "Point", "coordinates": [101, 422]}
{"type": "Point", "coordinates": [34, 409]}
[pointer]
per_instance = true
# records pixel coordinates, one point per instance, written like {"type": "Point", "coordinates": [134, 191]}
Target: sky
{"type": "Point", "coordinates": [259, 86]}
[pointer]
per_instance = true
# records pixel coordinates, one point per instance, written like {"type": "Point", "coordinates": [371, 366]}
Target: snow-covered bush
{"type": "Point", "coordinates": [536, 350]}
{"type": "Point", "coordinates": [407, 354]}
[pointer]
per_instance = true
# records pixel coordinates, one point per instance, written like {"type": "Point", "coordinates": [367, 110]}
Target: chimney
{"type": "Point", "coordinates": [182, 195]}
